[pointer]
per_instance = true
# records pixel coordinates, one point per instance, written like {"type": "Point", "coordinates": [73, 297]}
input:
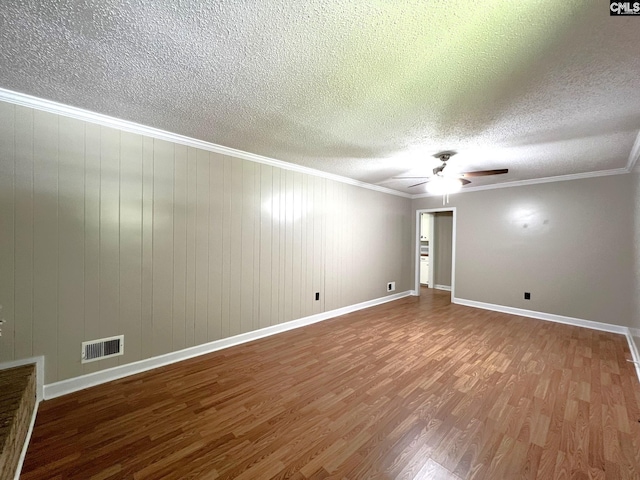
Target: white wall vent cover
{"type": "Point", "coordinates": [103, 348]}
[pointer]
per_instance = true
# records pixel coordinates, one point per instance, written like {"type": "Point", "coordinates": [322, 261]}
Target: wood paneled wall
{"type": "Point", "coordinates": [105, 232]}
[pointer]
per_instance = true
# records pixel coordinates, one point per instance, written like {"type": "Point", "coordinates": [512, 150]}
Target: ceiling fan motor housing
{"type": "Point", "coordinates": [444, 157]}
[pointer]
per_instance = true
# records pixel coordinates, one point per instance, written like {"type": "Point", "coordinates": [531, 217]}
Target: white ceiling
{"type": "Point", "coordinates": [363, 89]}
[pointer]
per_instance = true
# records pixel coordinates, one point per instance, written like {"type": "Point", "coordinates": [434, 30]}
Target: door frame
{"type": "Point", "coordinates": [431, 263]}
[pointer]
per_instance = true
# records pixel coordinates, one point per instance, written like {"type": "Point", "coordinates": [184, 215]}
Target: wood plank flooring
{"type": "Point", "coordinates": [417, 388]}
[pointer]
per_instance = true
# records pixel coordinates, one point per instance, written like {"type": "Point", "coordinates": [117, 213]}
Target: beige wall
{"type": "Point", "coordinates": [568, 243]}
{"type": "Point", "coordinates": [635, 316]}
{"type": "Point", "coordinates": [443, 233]}
{"type": "Point", "coordinates": [105, 232]}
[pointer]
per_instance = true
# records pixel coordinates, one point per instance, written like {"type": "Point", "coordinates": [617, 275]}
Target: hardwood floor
{"type": "Point", "coordinates": [410, 389]}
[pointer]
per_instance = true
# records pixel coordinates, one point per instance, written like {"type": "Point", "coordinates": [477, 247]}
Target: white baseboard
{"type": "Point", "coordinates": [629, 333]}
{"type": "Point", "coordinates": [551, 317]}
{"type": "Point", "coordinates": [443, 287]}
{"type": "Point", "coordinates": [64, 387]}
{"type": "Point", "coordinates": [633, 349]}
{"type": "Point", "coordinates": [631, 336]}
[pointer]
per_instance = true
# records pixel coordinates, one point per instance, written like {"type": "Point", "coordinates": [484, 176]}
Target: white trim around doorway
{"type": "Point", "coordinates": [417, 249]}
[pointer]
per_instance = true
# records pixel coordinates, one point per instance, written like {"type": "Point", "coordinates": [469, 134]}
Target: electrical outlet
{"type": "Point", "coordinates": [527, 295]}
{"type": "Point", "coordinates": [391, 287]}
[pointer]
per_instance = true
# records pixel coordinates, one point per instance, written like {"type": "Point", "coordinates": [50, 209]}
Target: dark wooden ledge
{"type": "Point", "coordinates": [17, 402]}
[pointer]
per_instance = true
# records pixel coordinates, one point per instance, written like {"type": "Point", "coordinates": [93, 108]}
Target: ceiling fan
{"type": "Point", "coordinates": [448, 183]}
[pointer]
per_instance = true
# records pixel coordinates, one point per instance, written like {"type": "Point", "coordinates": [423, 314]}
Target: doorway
{"type": "Point", "coordinates": [440, 243]}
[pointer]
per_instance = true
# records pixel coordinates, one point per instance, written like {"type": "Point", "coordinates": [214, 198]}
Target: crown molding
{"type": "Point", "coordinates": [30, 101]}
{"type": "Point", "coordinates": [534, 181]}
{"type": "Point", "coordinates": [24, 100]}
{"type": "Point", "coordinates": [634, 155]}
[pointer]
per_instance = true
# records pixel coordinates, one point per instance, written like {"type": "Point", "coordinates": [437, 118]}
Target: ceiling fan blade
{"type": "Point", "coordinates": [417, 184]}
{"type": "Point", "coordinates": [400, 178]}
{"type": "Point", "coordinates": [484, 173]}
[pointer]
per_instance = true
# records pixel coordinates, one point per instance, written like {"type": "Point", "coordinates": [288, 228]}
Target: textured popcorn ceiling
{"type": "Point", "coordinates": [364, 89]}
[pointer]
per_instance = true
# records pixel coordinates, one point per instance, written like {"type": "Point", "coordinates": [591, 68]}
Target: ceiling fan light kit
{"type": "Point", "coordinates": [443, 184]}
